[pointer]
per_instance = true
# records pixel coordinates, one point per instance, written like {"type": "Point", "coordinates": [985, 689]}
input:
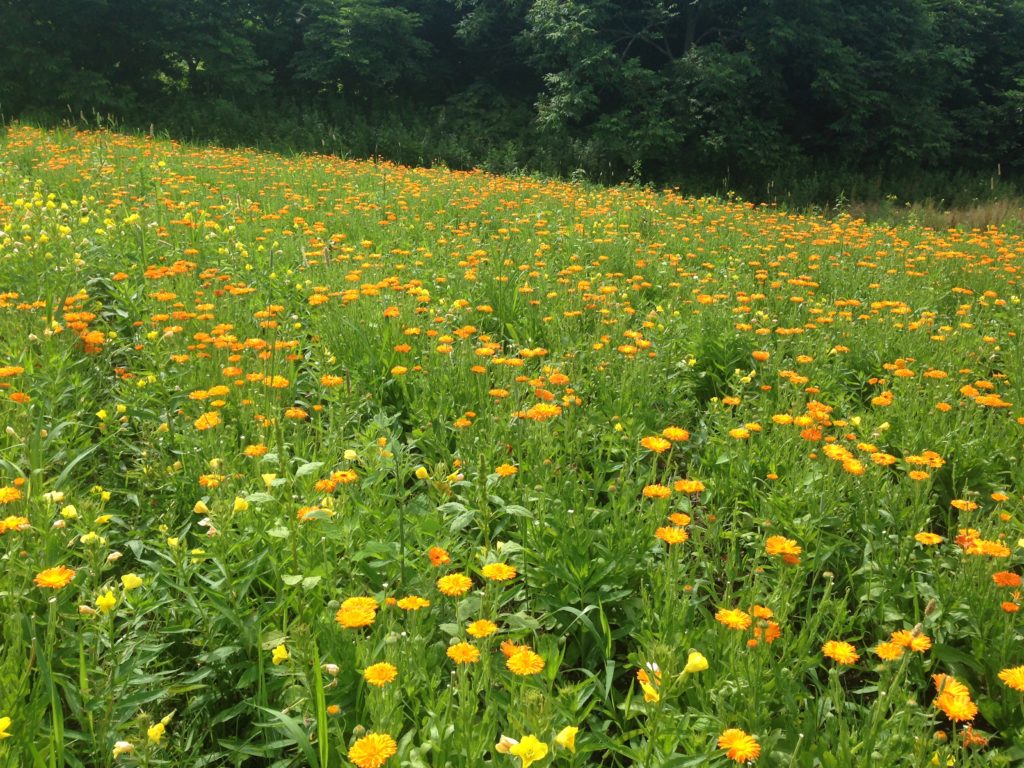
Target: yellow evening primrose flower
{"type": "Point", "coordinates": [566, 738]}
{"type": "Point", "coordinates": [5, 725]}
{"type": "Point", "coordinates": [280, 654]}
{"type": "Point", "coordinates": [130, 581]}
{"type": "Point", "coordinates": [106, 602]}
{"type": "Point", "coordinates": [155, 733]}
{"type": "Point", "coordinates": [530, 749]}
{"type": "Point", "coordinates": [695, 662]}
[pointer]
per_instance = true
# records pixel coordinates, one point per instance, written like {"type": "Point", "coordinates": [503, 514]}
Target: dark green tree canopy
{"type": "Point", "coordinates": [663, 89]}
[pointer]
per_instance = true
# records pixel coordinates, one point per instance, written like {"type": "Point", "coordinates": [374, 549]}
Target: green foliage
{"type": "Point", "coordinates": [713, 94]}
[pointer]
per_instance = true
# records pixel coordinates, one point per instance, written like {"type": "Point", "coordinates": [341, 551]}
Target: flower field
{"type": "Point", "coordinates": [316, 462]}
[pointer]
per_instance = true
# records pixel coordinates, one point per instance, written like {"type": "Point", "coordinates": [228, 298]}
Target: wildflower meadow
{"type": "Point", "coordinates": [314, 462]}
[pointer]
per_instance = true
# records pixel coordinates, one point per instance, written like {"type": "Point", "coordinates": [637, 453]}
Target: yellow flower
{"type": "Point", "coordinates": [482, 628]}
{"type": "Point", "coordinates": [422, 473]}
{"type": "Point", "coordinates": [463, 653]}
{"type": "Point", "coordinates": [733, 618]}
{"type": "Point", "coordinates": [530, 749]}
{"type": "Point", "coordinates": [695, 662]}
{"type": "Point", "coordinates": [240, 504]}
{"type": "Point", "coordinates": [1013, 677]}
{"type": "Point", "coordinates": [840, 651]}
{"type": "Point", "coordinates": [130, 581]}
{"type": "Point", "coordinates": [380, 674]}
{"type": "Point", "coordinates": [155, 733]}
{"type": "Point", "coordinates": [280, 654]}
{"type": "Point", "coordinates": [373, 750]}
{"type": "Point", "coordinates": [498, 572]}
{"type": "Point", "coordinates": [5, 724]}
{"type": "Point", "coordinates": [106, 602]}
{"type": "Point", "coordinates": [9, 495]}
{"type": "Point", "coordinates": [454, 584]}
{"type": "Point", "coordinates": [524, 662]}
{"type": "Point", "coordinates": [207, 421]}
{"type": "Point", "coordinates": [651, 696]}
{"type": "Point", "coordinates": [566, 738]}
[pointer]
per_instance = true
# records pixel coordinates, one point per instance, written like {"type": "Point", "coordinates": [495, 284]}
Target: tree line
{"type": "Point", "coordinates": [745, 94]}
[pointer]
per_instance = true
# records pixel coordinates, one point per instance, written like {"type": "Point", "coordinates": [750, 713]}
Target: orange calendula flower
{"type": "Point", "coordinates": [372, 750]}
{"type": "Point", "coordinates": [841, 652]}
{"type": "Point", "coordinates": [438, 556]}
{"type": "Point", "coordinates": [482, 628]}
{"type": "Point", "coordinates": [352, 618]}
{"type": "Point", "coordinates": [524, 662]}
{"type": "Point", "coordinates": [1006, 579]}
{"type": "Point", "coordinates": [413, 603]}
{"type": "Point", "coordinates": [954, 699]}
{"type": "Point", "coordinates": [498, 572]}
{"type": "Point", "coordinates": [463, 653]}
{"type": "Point", "coordinates": [964, 505]}
{"type": "Point", "coordinates": [675, 434]}
{"type": "Point", "coordinates": [14, 523]}
{"type": "Point", "coordinates": [733, 618]}
{"type": "Point", "coordinates": [54, 578]}
{"type": "Point", "coordinates": [207, 420]}
{"type": "Point", "coordinates": [357, 612]}
{"type": "Point", "coordinates": [656, 491]}
{"type": "Point", "coordinates": [672, 534]}
{"type": "Point", "coordinates": [506, 470]}
{"type": "Point", "coordinates": [888, 651]}
{"type": "Point", "coordinates": [656, 444]}
{"type": "Point", "coordinates": [9, 495]}
{"type": "Point", "coordinates": [928, 539]}
{"type": "Point", "coordinates": [454, 584]}
{"type": "Point", "coordinates": [380, 674]}
{"type": "Point", "coordinates": [1013, 677]}
{"type": "Point", "coordinates": [739, 746]}
{"type": "Point", "coordinates": [787, 549]}
{"type": "Point", "coordinates": [688, 486]}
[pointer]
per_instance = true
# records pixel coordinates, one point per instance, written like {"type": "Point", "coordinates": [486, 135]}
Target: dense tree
{"type": "Point", "coordinates": [726, 90]}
